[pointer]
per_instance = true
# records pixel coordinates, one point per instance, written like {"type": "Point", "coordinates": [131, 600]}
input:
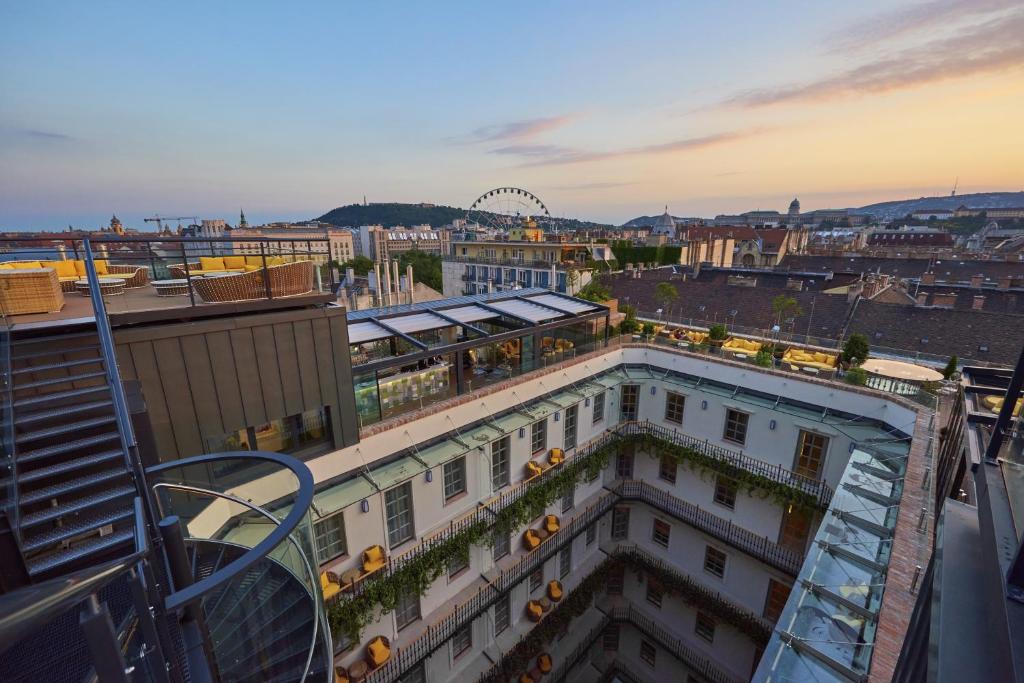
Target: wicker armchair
{"type": "Point", "coordinates": [290, 279]}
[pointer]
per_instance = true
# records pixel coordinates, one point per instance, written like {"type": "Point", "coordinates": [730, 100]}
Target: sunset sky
{"type": "Point", "coordinates": [605, 110]}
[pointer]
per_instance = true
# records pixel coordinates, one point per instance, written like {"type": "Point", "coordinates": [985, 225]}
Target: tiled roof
{"type": "Point", "coordinates": [951, 270]}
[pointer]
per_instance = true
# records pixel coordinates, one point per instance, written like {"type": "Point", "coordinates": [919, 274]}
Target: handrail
{"type": "Point", "coordinates": [303, 500]}
{"type": "Point", "coordinates": [12, 503]}
{"type": "Point", "coordinates": [26, 609]}
{"type": "Point", "coordinates": [313, 576]}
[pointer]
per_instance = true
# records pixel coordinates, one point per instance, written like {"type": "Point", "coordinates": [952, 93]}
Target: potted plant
{"type": "Point", "coordinates": [717, 334]}
{"type": "Point", "coordinates": [648, 331]}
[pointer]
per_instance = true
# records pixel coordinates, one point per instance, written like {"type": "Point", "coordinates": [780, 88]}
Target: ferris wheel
{"type": "Point", "coordinates": [505, 207]}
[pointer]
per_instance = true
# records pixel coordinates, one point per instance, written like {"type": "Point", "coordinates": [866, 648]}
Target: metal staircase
{"type": "Point", "coordinates": [74, 487]}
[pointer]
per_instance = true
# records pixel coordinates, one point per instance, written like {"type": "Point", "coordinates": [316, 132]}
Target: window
{"type": "Point", "coordinates": [503, 614]}
{"type": "Point", "coordinates": [591, 533]}
{"type": "Point", "coordinates": [398, 502]}
{"type": "Point", "coordinates": [620, 523]}
{"type": "Point", "coordinates": [667, 469]}
{"type": "Point", "coordinates": [598, 407]}
{"type": "Point", "coordinates": [810, 453]}
{"type": "Point", "coordinates": [624, 466]}
{"type": "Point", "coordinates": [407, 610]}
{"type": "Point", "coordinates": [570, 427]}
{"type": "Point", "coordinates": [648, 652]}
{"type": "Point", "coordinates": [674, 407]}
{"type": "Point", "coordinates": [736, 426]}
{"type": "Point", "coordinates": [616, 579]}
{"type": "Point", "coordinates": [458, 563]}
{"type": "Point", "coordinates": [462, 640]}
{"type": "Point", "coordinates": [714, 561]}
{"type": "Point", "coordinates": [654, 593]}
{"type": "Point", "coordinates": [536, 578]}
{"type": "Point", "coordinates": [705, 627]}
{"type": "Point", "coordinates": [629, 400]}
{"type": "Point", "coordinates": [610, 638]}
{"type": "Point", "coordinates": [565, 561]}
{"type": "Point", "coordinates": [306, 433]}
{"type": "Point", "coordinates": [330, 538]}
{"type": "Point", "coordinates": [569, 499]}
{"type": "Point", "coordinates": [778, 593]}
{"type": "Point", "coordinates": [725, 491]}
{"type": "Point", "coordinates": [539, 436]}
{"type": "Point", "coordinates": [499, 463]}
{"type": "Point", "coordinates": [796, 527]}
{"type": "Point", "coordinates": [454, 478]}
{"type": "Point", "coordinates": [660, 532]}
{"type": "Point", "coordinates": [502, 545]}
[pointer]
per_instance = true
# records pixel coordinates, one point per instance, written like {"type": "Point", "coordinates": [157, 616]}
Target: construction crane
{"type": "Point", "coordinates": [159, 220]}
{"type": "Point", "coordinates": [955, 184]}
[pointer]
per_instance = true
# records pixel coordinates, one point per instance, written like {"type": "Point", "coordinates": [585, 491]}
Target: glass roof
{"type": "Point", "coordinates": [526, 310]}
{"type": "Point", "coordinates": [470, 314]}
{"type": "Point", "coordinates": [359, 333]}
{"type": "Point", "coordinates": [827, 629]}
{"type": "Point", "coordinates": [417, 322]}
{"type": "Point", "coordinates": [563, 304]}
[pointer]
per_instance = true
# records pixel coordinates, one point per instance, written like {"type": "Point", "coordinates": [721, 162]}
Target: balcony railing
{"type": "Point", "coordinates": [760, 547]}
{"type": "Point", "coordinates": [821, 491]}
{"type": "Point", "coordinates": [514, 263]}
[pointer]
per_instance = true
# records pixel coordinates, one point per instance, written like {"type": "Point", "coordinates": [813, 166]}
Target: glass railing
{"type": "Point", "coordinates": [247, 529]}
{"type": "Point", "coordinates": [8, 487]}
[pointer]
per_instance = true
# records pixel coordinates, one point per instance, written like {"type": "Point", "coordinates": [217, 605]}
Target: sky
{"type": "Point", "coordinates": [605, 110]}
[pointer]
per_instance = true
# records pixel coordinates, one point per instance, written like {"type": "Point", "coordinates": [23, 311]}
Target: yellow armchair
{"type": "Point", "coordinates": [329, 584]}
{"type": "Point", "coordinates": [533, 470]}
{"type": "Point", "coordinates": [551, 524]}
{"type": "Point", "coordinates": [373, 559]}
{"type": "Point", "coordinates": [995, 404]}
{"type": "Point", "coordinates": [530, 539]}
{"type": "Point", "coordinates": [378, 652]}
{"type": "Point", "coordinates": [556, 457]}
{"type": "Point", "coordinates": [555, 591]}
{"type": "Point", "coordinates": [526, 678]}
{"type": "Point", "coordinates": [696, 337]}
{"type": "Point", "coordinates": [534, 611]}
{"type": "Point", "coordinates": [544, 663]}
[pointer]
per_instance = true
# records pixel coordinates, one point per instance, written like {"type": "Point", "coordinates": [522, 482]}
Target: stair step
{"type": "Point", "coordinates": [66, 446]}
{"type": "Point", "coordinates": [58, 365]}
{"type": "Point", "coordinates": [59, 380]}
{"type": "Point", "coordinates": [78, 526]}
{"type": "Point", "coordinates": [66, 428]}
{"type": "Point", "coordinates": [22, 341]}
{"type": "Point", "coordinates": [69, 466]}
{"type": "Point", "coordinates": [55, 351]}
{"type": "Point", "coordinates": [58, 395]}
{"type": "Point", "coordinates": [62, 412]}
{"type": "Point", "coordinates": [76, 506]}
{"type": "Point", "coordinates": [80, 551]}
{"type": "Point", "coordinates": [70, 486]}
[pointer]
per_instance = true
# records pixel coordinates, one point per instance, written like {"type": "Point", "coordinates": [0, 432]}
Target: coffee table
{"type": "Point", "coordinates": [349, 577]}
{"type": "Point", "coordinates": [545, 603]}
{"type": "Point", "coordinates": [171, 287]}
{"type": "Point", "coordinates": [109, 286]}
{"type": "Point", "coordinates": [357, 672]}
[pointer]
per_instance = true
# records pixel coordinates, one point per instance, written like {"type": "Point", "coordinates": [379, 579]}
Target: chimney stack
{"type": "Point", "coordinates": [409, 284]}
{"type": "Point", "coordinates": [387, 283]}
{"type": "Point", "coordinates": [397, 282]}
{"type": "Point", "coordinates": [928, 278]}
{"type": "Point", "coordinates": [922, 299]}
{"type": "Point", "coordinates": [378, 284]}
{"type": "Point", "coordinates": [978, 303]}
{"type": "Point", "coordinates": [976, 281]}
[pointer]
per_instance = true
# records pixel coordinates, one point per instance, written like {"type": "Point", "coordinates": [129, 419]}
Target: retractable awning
{"type": "Point", "coordinates": [572, 306]}
{"type": "Point", "coordinates": [469, 314]}
{"type": "Point", "coordinates": [359, 333]}
{"type": "Point", "coordinates": [525, 310]}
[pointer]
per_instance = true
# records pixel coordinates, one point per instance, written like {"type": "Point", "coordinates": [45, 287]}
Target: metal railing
{"type": "Point", "coordinates": [818, 489]}
{"type": "Point", "coordinates": [750, 543]}
{"type": "Point", "coordinates": [9, 502]}
{"type": "Point", "coordinates": [515, 263]}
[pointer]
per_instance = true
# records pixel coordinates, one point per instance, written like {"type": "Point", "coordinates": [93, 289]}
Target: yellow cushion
{"type": "Point", "coordinates": [101, 266]}
{"type": "Point", "coordinates": [526, 678]}
{"type": "Point", "coordinates": [374, 554]}
{"type": "Point", "coordinates": [325, 580]}
{"type": "Point", "coordinates": [276, 261]}
{"type": "Point", "coordinates": [551, 524]}
{"type": "Point", "coordinates": [533, 469]}
{"type": "Point", "coordinates": [534, 608]}
{"type": "Point", "coordinates": [211, 263]}
{"type": "Point", "coordinates": [254, 261]}
{"type": "Point", "coordinates": [820, 357]}
{"type": "Point", "coordinates": [544, 663]}
{"type": "Point", "coordinates": [25, 265]}
{"type": "Point", "coordinates": [6, 266]}
{"type": "Point", "coordinates": [379, 652]}
{"type": "Point", "coordinates": [249, 268]}
{"type": "Point", "coordinates": [79, 267]}
{"type": "Point", "coordinates": [555, 590]}
{"type": "Point", "coordinates": [234, 262]}
{"type": "Point", "coordinates": [63, 268]}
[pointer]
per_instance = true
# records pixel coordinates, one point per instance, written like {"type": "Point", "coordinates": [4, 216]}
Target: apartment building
{"type": "Point", "coordinates": [386, 244]}
{"type": "Point", "coordinates": [484, 487]}
{"type": "Point", "coordinates": [476, 267]}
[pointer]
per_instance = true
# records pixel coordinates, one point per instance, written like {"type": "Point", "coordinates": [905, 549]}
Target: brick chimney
{"type": "Point", "coordinates": [1005, 282]}
{"type": "Point", "coordinates": [922, 299]}
{"type": "Point", "coordinates": [978, 303]}
{"type": "Point", "coordinates": [928, 278]}
{"type": "Point", "coordinates": [947, 300]}
{"type": "Point", "coordinates": [976, 281]}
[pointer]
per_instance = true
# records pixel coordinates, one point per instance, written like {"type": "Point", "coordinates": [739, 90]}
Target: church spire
{"type": "Point", "coordinates": [242, 223]}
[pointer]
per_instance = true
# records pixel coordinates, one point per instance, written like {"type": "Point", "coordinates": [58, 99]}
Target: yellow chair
{"type": "Point", "coordinates": [544, 663]}
{"type": "Point", "coordinates": [554, 590]}
{"type": "Point", "coordinates": [329, 584]}
{"type": "Point", "coordinates": [378, 652]}
{"type": "Point", "coordinates": [995, 404]}
{"type": "Point", "coordinates": [696, 337]}
{"type": "Point", "coordinates": [526, 678]}
{"type": "Point", "coordinates": [530, 539]}
{"type": "Point", "coordinates": [551, 524]}
{"type": "Point", "coordinates": [340, 675]}
{"type": "Point", "coordinates": [556, 456]}
{"type": "Point", "coordinates": [534, 611]}
{"type": "Point", "coordinates": [533, 469]}
{"type": "Point", "coordinates": [373, 559]}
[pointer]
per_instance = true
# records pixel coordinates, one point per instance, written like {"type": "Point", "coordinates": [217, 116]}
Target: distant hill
{"type": "Point", "coordinates": [647, 221]}
{"type": "Point", "coordinates": [391, 214]}
{"type": "Point", "coordinates": [898, 209]}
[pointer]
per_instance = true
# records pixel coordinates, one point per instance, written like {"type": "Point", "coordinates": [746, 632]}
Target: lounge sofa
{"type": "Point", "coordinates": [811, 359]}
{"type": "Point", "coordinates": [695, 337]}
{"type": "Point", "coordinates": [72, 270]}
{"type": "Point", "coordinates": [740, 345]}
{"type": "Point", "coordinates": [286, 279]}
{"type": "Point", "coordinates": [215, 265]}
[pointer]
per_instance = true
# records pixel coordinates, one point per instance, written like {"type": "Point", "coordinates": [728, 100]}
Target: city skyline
{"type": "Point", "coordinates": [708, 110]}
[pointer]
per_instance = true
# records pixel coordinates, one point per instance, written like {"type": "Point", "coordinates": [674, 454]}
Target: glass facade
{"type": "Point", "coordinates": [304, 434]}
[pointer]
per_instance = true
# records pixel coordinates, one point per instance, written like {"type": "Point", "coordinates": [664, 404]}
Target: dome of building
{"type": "Point", "coordinates": [664, 225]}
{"type": "Point", "coordinates": [794, 207]}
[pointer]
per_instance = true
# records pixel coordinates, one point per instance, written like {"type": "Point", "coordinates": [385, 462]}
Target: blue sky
{"type": "Point", "coordinates": [605, 110]}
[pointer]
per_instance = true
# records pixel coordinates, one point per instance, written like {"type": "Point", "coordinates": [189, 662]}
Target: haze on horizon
{"type": "Point", "coordinates": [203, 108]}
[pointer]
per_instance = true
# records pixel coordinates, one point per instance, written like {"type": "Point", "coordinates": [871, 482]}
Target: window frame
{"type": "Point", "coordinates": [800, 467]}
{"type": "Point", "coordinates": [504, 607]}
{"type": "Point", "coordinates": [629, 402]}
{"type": "Point", "coordinates": [711, 558]}
{"type": "Point", "coordinates": [648, 653]}
{"type": "Point", "coordinates": [668, 469]}
{"type": "Point", "coordinates": [598, 410]}
{"type": "Point", "coordinates": [570, 431]}
{"type": "Point", "coordinates": [449, 496]}
{"type": "Point", "coordinates": [322, 559]}
{"type": "Point", "coordinates": [393, 542]}
{"type": "Point", "coordinates": [661, 536]}
{"type": "Point", "coordinates": [565, 561]}
{"type": "Point", "coordinates": [732, 426]}
{"type": "Point", "coordinates": [539, 436]}
{"type": "Point", "coordinates": [655, 595]}
{"type": "Point", "coordinates": [500, 448]}
{"type": "Point", "coordinates": [624, 465]}
{"type": "Point", "coordinates": [536, 579]}
{"type": "Point", "coordinates": [402, 609]}
{"type": "Point", "coordinates": [620, 522]}
{"type": "Point", "coordinates": [502, 546]}
{"type": "Point", "coordinates": [704, 627]}
{"type": "Point", "coordinates": [569, 499]}
{"type": "Point", "coordinates": [591, 534]}
{"type": "Point", "coordinates": [675, 407]}
{"type": "Point", "coordinates": [725, 491]}
{"type": "Point", "coordinates": [467, 632]}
